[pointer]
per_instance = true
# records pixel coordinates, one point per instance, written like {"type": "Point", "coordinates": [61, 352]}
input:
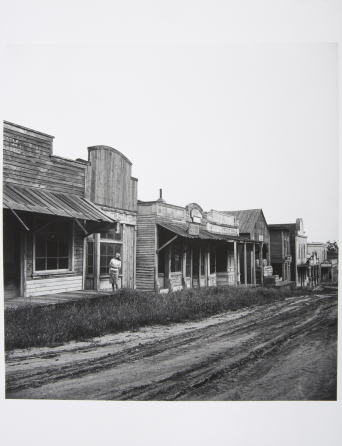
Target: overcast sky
{"type": "Point", "coordinates": [232, 104]}
{"type": "Point", "coordinates": [228, 126]}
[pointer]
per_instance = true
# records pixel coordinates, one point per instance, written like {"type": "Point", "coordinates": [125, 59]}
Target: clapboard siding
{"type": "Point", "coordinates": [28, 160]}
{"type": "Point", "coordinates": [146, 249]}
{"type": "Point", "coordinates": [40, 287]}
{"type": "Point", "coordinates": [109, 181]}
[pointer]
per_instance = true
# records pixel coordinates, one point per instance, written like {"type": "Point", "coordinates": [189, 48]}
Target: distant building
{"type": "Point", "coordinates": [185, 247]}
{"type": "Point", "coordinates": [253, 225]}
{"type": "Point", "coordinates": [289, 254]}
{"type": "Point", "coordinates": [328, 261]}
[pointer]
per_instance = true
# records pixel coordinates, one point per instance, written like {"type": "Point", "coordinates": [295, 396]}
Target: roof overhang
{"type": "Point", "coordinates": [181, 229]}
{"type": "Point", "coordinates": [42, 201]}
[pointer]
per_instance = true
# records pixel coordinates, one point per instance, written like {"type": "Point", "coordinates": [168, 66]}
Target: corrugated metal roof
{"type": "Point", "coordinates": [182, 230]}
{"type": "Point", "coordinates": [247, 219]}
{"type": "Point", "coordinates": [46, 202]}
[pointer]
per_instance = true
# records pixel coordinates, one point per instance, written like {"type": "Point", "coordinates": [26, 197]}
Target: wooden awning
{"type": "Point", "coordinates": [181, 229]}
{"type": "Point", "coordinates": [18, 198]}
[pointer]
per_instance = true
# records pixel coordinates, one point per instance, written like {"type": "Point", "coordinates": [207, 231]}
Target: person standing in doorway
{"type": "Point", "coordinates": [114, 267]}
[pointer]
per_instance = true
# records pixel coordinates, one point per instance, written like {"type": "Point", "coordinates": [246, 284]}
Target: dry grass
{"type": "Point", "coordinates": [52, 325]}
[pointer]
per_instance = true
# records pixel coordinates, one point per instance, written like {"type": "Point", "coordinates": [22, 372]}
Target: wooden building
{"type": "Point", "coordinates": [45, 216]}
{"type": "Point", "coordinates": [328, 263]}
{"type": "Point", "coordinates": [111, 187]}
{"type": "Point", "coordinates": [253, 225]}
{"type": "Point", "coordinates": [63, 219]}
{"type": "Point", "coordinates": [184, 247]}
{"type": "Point", "coordinates": [289, 252]}
{"type": "Point", "coordinates": [281, 259]}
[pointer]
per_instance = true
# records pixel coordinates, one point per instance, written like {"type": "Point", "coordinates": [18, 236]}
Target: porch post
{"type": "Point", "coordinates": [253, 266]}
{"type": "Point", "coordinates": [245, 262]}
{"type": "Point", "coordinates": [235, 264]}
{"type": "Point", "coordinates": [261, 264]}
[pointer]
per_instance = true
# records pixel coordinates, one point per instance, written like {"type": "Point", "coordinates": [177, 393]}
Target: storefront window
{"type": "Point", "coordinates": [221, 261]}
{"type": "Point", "coordinates": [113, 235]}
{"type": "Point", "coordinates": [188, 262]}
{"type": "Point", "coordinates": [90, 258]}
{"type": "Point", "coordinates": [52, 246]}
{"type": "Point", "coordinates": [212, 262]}
{"type": "Point", "coordinates": [202, 262]}
{"type": "Point", "coordinates": [176, 264]}
{"type": "Point", "coordinates": [107, 252]}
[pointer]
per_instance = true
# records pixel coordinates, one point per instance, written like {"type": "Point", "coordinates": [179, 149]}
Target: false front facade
{"type": "Point", "coordinates": [185, 247]}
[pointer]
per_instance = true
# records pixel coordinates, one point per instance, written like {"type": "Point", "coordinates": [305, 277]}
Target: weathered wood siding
{"type": "Point", "coordinates": [39, 287]}
{"type": "Point", "coordinates": [128, 256]}
{"type": "Point", "coordinates": [146, 252]}
{"type": "Point", "coordinates": [109, 178]}
{"type": "Point", "coordinates": [28, 161]}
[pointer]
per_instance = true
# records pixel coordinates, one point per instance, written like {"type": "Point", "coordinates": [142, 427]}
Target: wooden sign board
{"type": "Point", "coordinates": [193, 229]}
{"type": "Point", "coordinates": [222, 229]}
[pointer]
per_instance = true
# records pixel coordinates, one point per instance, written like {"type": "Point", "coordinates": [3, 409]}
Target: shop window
{"type": "Point", "coordinates": [107, 252]}
{"type": "Point", "coordinates": [221, 261]}
{"type": "Point", "coordinates": [90, 258]}
{"type": "Point", "coordinates": [231, 262]}
{"type": "Point", "coordinates": [212, 262]}
{"type": "Point", "coordinates": [188, 262]}
{"type": "Point", "coordinates": [176, 264]}
{"type": "Point", "coordinates": [202, 262]}
{"type": "Point", "coordinates": [52, 246]}
{"type": "Point", "coordinates": [114, 234]}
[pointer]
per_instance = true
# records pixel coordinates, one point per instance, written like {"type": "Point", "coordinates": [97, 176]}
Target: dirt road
{"type": "Point", "coordinates": [282, 351]}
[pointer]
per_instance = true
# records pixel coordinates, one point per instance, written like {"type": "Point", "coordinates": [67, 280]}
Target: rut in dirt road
{"type": "Point", "coordinates": [186, 365]}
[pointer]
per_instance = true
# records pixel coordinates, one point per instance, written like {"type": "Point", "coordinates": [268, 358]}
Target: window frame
{"type": "Point", "coordinates": [71, 235]}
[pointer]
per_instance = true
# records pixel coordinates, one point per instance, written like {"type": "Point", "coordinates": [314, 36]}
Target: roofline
{"type": "Point", "coordinates": [27, 128]}
{"type": "Point", "coordinates": [100, 146]}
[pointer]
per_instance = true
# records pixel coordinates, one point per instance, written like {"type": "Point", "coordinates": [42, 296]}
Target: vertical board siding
{"type": "Point", "coordinates": [146, 251]}
{"type": "Point", "coordinates": [129, 257]}
{"type": "Point", "coordinates": [110, 179]}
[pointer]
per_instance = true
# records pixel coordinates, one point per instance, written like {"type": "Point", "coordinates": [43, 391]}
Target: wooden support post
{"type": "Point", "coordinates": [245, 262]}
{"type": "Point", "coordinates": [261, 264]}
{"type": "Point", "coordinates": [135, 257]}
{"type": "Point", "coordinates": [253, 266]}
{"type": "Point", "coordinates": [235, 263]}
{"type": "Point", "coordinates": [97, 261]}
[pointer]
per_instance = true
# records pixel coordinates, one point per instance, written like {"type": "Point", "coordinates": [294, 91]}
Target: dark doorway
{"type": "Point", "coordinates": [11, 251]}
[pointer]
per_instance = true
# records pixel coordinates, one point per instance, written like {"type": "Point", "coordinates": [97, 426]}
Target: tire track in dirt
{"type": "Point", "coordinates": [256, 335]}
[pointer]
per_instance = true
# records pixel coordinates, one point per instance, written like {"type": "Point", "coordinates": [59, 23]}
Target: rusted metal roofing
{"type": "Point", "coordinates": [182, 230]}
{"type": "Point", "coordinates": [43, 201]}
{"type": "Point", "coordinates": [247, 219]}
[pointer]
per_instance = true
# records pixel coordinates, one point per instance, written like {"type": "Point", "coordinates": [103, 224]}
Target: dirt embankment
{"type": "Point", "coordinates": [282, 351]}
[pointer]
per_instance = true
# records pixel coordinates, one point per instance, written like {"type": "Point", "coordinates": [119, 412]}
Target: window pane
{"type": "Point", "coordinates": [63, 263]}
{"type": "Point", "coordinates": [51, 248]}
{"type": "Point", "coordinates": [40, 247]}
{"type": "Point", "coordinates": [51, 263]}
{"type": "Point", "coordinates": [40, 264]}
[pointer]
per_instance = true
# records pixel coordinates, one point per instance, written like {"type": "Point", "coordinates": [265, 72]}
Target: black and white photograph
{"type": "Point", "coordinates": [170, 192]}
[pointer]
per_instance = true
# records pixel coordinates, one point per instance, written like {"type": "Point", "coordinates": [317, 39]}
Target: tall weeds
{"type": "Point", "coordinates": [51, 325]}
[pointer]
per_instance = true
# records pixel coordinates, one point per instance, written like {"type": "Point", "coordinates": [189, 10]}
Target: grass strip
{"type": "Point", "coordinates": [52, 325]}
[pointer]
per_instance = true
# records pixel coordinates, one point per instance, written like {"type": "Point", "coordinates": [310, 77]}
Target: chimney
{"type": "Point", "coordinates": [161, 199]}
